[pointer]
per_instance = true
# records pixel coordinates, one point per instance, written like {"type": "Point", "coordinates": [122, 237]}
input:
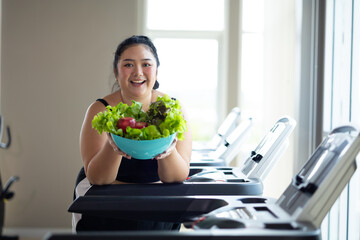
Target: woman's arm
{"type": "Point", "coordinates": [175, 167]}
{"type": "Point", "coordinates": [101, 162]}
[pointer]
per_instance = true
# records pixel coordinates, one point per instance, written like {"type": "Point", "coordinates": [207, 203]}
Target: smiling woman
{"type": "Point", "coordinates": [105, 162]}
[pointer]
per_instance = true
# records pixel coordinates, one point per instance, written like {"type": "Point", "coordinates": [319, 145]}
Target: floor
{"type": "Point", "coordinates": [25, 236]}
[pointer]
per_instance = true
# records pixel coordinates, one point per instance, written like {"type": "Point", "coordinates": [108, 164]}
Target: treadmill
{"type": "Point", "coordinates": [297, 214]}
{"type": "Point", "coordinates": [276, 137]}
{"type": "Point", "coordinates": [226, 151]}
{"type": "Point", "coordinates": [201, 182]}
{"type": "Point", "coordinates": [300, 210]}
{"type": "Point", "coordinates": [226, 127]}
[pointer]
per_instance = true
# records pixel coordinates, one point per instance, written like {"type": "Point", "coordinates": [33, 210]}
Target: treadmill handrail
{"type": "Point", "coordinates": [270, 149]}
{"type": "Point", "coordinates": [226, 127]}
{"type": "Point", "coordinates": [230, 122]}
{"type": "Point", "coordinates": [230, 147]}
{"type": "Point", "coordinates": [235, 139]}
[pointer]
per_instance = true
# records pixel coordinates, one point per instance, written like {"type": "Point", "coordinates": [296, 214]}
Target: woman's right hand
{"type": "Point", "coordinates": [115, 147]}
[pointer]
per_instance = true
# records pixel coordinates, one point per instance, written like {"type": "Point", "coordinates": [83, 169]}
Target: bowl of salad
{"type": "Point", "coordinates": [140, 134]}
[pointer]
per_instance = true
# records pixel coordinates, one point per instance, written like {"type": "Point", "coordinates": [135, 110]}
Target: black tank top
{"type": "Point", "coordinates": [135, 170]}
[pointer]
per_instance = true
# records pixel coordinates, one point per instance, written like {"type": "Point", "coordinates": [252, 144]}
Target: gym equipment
{"type": "Point", "coordinates": [297, 214]}
{"type": "Point", "coordinates": [226, 127]}
{"type": "Point", "coordinates": [5, 193]}
{"type": "Point", "coordinates": [201, 181]}
{"type": "Point", "coordinates": [226, 151]}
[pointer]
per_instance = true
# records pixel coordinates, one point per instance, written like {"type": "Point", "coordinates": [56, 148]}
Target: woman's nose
{"type": "Point", "coordinates": [138, 71]}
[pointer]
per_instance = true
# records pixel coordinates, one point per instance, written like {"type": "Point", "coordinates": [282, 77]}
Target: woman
{"type": "Point", "coordinates": [135, 67]}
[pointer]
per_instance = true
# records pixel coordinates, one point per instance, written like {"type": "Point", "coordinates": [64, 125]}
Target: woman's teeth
{"type": "Point", "coordinates": [138, 81]}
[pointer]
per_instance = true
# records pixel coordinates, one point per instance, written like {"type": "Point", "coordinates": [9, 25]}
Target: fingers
{"type": "Point", "coordinates": [168, 151]}
{"type": "Point", "coordinates": [116, 148]}
{"type": "Point", "coordinates": [124, 154]}
{"type": "Point", "coordinates": [118, 151]}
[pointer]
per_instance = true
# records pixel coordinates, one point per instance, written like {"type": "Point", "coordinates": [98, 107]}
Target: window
{"type": "Point", "coordinates": [186, 15]}
{"type": "Point", "coordinates": [342, 104]}
{"type": "Point", "coordinates": [190, 44]}
{"type": "Point", "coordinates": [252, 69]}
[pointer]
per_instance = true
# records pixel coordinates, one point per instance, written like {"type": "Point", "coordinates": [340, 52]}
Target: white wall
{"type": "Point", "coordinates": [279, 97]}
{"type": "Point", "coordinates": [56, 60]}
{"type": "Point", "coordinates": [267, 84]}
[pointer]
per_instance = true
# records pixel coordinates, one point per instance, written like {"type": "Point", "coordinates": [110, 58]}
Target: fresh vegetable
{"type": "Point", "coordinates": [163, 118]}
{"type": "Point", "coordinates": [140, 125]}
{"type": "Point", "coordinates": [123, 123]}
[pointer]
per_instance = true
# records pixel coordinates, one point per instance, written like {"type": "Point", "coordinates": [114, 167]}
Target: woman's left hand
{"type": "Point", "coordinates": [168, 151]}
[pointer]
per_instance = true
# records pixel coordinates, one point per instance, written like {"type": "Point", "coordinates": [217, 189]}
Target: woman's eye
{"type": "Point", "coordinates": [147, 64]}
{"type": "Point", "coordinates": [128, 65]}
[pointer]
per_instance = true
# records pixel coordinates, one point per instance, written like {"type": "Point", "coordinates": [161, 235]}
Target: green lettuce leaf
{"type": "Point", "coordinates": [164, 118]}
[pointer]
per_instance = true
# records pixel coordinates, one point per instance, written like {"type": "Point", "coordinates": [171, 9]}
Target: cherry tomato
{"type": "Point", "coordinates": [126, 121]}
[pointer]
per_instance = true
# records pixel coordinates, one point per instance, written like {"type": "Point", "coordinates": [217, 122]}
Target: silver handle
{"type": "Point", "coordinates": [2, 144]}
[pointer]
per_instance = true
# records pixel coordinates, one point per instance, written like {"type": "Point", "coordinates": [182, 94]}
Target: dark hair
{"type": "Point", "coordinates": [134, 40]}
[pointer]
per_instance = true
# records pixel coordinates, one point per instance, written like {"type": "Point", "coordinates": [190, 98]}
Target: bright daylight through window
{"type": "Point", "coordinates": [188, 46]}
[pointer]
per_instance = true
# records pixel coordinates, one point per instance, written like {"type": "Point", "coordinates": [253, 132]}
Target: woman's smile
{"type": "Point", "coordinates": [137, 82]}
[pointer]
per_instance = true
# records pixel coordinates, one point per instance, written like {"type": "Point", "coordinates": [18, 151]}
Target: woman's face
{"type": "Point", "coordinates": [137, 71]}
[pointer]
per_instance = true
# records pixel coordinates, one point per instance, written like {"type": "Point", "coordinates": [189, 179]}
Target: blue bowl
{"type": "Point", "coordinates": [143, 149]}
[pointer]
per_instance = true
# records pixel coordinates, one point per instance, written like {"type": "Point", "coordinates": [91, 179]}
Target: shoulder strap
{"type": "Point", "coordinates": [102, 101]}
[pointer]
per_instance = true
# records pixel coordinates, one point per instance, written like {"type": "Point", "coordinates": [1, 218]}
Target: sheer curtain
{"type": "Point", "coordinates": [342, 105]}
